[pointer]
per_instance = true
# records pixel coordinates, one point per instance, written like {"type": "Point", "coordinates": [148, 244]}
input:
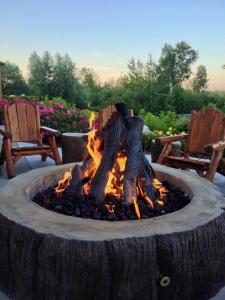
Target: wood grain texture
{"type": "Point", "coordinates": [114, 129]}
{"type": "Point", "coordinates": [105, 114]}
{"type": "Point", "coordinates": [13, 123]}
{"type": "Point", "coordinates": [134, 152]}
{"type": "Point", "coordinates": [73, 148]}
{"type": "Point", "coordinates": [206, 136]}
{"type": "Point", "coordinates": [206, 128]}
{"type": "Point", "coordinates": [36, 266]}
{"type": "Point", "coordinates": [22, 121]}
{"type": "Point", "coordinates": [32, 123]}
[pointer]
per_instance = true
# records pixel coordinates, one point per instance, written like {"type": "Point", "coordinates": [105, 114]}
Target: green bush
{"type": "Point", "coordinates": [147, 140]}
{"type": "Point", "coordinates": [181, 125]}
{"type": "Point", "coordinates": [162, 122]}
{"type": "Point", "coordinates": [59, 100]}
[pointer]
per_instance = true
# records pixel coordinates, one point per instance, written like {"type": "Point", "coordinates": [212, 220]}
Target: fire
{"type": "Point", "coordinates": [115, 178]}
{"type": "Point", "coordinates": [93, 149]}
{"type": "Point", "coordinates": [62, 184]}
{"type": "Point", "coordinates": [91, 120]}
{"type": "Point", "coordinates": [110, 208]}
{"type": "Point", "coordinates": [162, 190]}
{"type": "Point", "coordinates": [137, 211]}
{"type": "Point", "coordinates": [114, 184]}
{"type": "Point", "coordinates": [115, 181]}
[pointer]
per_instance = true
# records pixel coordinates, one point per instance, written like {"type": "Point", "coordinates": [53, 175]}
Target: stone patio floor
{"type": "Point", "coordinates": [28, 163]}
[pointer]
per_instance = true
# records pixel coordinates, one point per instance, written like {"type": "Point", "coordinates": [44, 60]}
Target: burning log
{"type": "Point", "coordinates": [123, 110]}
{"type": "Point", "coordinates": [75, 185]}
{"type": "Point", "coordinates": [146, 176]}
{"type": "Point", "coordinates": [114, 129]}
{"type": "Point", "coordinates": [116, 164]}
{"type": "Point", "coordinates": [134, 153]}
{"type": "Point", "coordinates": [148, 167]}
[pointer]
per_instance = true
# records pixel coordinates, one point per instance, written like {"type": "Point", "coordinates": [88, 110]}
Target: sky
{"type": "Point", "coordinates": [104, 35]}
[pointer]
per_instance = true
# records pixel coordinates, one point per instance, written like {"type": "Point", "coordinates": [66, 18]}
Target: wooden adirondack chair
{"type": "Point", "coordinates": [22, 124]}
{"type": "Point", "coordinates": [205, 138]}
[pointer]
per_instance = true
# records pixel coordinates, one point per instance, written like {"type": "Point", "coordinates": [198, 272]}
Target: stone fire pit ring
{"type": "Point", "coordinates": [46, 255]}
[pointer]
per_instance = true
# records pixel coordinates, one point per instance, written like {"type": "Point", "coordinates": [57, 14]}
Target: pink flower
{"type": "Point", "coordinates": [47, 118]}
{"type": "Point", "coordinates": [3, 102]}
{"type": "Point", "coordinates": [46, 110]}
{"type": "Point", "coordinates": [58, 105]}
{"type": "Point", "coordinates": [19, 100]}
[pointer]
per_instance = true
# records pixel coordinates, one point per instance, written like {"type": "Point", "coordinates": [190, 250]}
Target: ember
{"type": "Point", "coordinates": [116, 181]}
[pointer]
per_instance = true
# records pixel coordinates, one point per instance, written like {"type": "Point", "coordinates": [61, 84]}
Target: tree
{"type": "Point", "coordinates": [88, 77]}
{"type": "Point", "coordinates": [175, 64]}
{"type": "Point", "coordinates": [12, 80]}
{"type": "Point", "coordinates": [145, 90]}
{"type": "Point", "coordinates": [200, 80]}
{"type": "Point", "coordinates": [136, 69]}
{"type": "Point", "coordinates": [41, 73]}
{"type": "Point", "coordinates": [141, 71]}
{"type": "Point", "coordinates": [55, 77]}
{"type": "Point", "coordinates": [89, 81]}
{"type": "Point", "coordinates": [64, 81]}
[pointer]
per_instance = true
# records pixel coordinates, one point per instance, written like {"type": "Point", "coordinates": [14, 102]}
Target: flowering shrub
{"type": "Point", "coordinates": [57, 116]}
{"type": "Point", "coordinates": [2, 103]}
{"type": "Point", "coordinates": [64, 120]}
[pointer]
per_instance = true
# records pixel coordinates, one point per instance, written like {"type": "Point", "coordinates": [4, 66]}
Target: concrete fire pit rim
{"type": "Point", "coordinates": [16, 205]}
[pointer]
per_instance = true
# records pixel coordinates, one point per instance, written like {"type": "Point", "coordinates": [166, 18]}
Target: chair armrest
{"type": "Point", "coordinates": [169, 139]}
{"type": "Point", "coordinates": [6, 134]}
{"type": "Point", "coordinates": [215, 146]}
{"type": "Point", "coordinates": [50, 131]}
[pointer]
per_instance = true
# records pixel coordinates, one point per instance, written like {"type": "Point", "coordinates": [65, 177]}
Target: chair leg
{"type": "Point", "coordinates": [216, 157]}
{"type": "Point", "coordinates": [7, 148]}
{"type": "Point", "coordinates": [166, 151]}
{"type": "Point", "coordinates": [54, 148]}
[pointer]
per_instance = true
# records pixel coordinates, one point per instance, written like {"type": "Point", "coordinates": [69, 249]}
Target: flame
{"type": "Point", "coordinates": [91, 120]}
{"type": "Point", "coordinates": [110, 208]}
{"type": "Point", "coordinates": [62, 184]}
{"type": "Point", "coordinates": [160, 202]}
{"type": "Point", "coordinates": [93, 149]}
{"type": "Point", "coordinates": [137, 211]}
{"type": "Point", "coordinates": [162, 190]}
{"type": "Point", "coordinates": [143, 195]}
{"type": "Point", "coordinates": [114, 184]}
{"type": "Point", "coordinates": [115, 181]}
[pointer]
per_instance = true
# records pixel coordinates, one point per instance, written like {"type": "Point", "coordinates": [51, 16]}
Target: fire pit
{"type": "Point", "coordinates": [116, 181]}
{"type": "Point", "coordinates": [46, 255]}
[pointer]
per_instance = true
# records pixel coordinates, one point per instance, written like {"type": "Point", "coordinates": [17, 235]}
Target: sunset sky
{"type": "Point", "coordinates": [104, 35]}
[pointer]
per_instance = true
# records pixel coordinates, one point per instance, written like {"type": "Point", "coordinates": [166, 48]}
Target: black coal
{"type": "Point", "coordinates": [110, 209]}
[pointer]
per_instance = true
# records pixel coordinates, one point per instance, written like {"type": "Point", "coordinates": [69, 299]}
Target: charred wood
{"type": "Point", "coordinates": [113, 129]}
{"type": "Point", "coordinates": [75, 185]}
{"type": "Point", "coordinates": [134, 153]}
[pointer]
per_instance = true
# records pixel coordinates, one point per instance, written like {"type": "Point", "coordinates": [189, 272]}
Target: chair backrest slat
{"type": "Point", "coordinates": [22, 120]}
{"type": "Point", "coordinates": [33, 127]}
{"type": "Point", "coordinates": [105, 114]}
{"type": "Point", "coordinates": [206, 127]}
{"type": "Point", "coordinates": [13, 122]}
